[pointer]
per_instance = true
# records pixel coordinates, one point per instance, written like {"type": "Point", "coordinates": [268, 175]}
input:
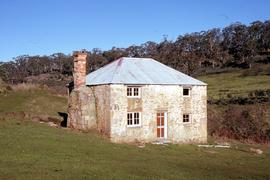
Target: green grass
{"type": "Point", "coordinates": [219, 85]}
{"type": "Point", "coordinates": [37, 102]}
{"type": "Point", "coordinates": [37, 151]}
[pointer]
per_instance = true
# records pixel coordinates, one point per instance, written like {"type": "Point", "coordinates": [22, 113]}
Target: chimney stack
{"type": "Point", "coordinates": [80, 68]}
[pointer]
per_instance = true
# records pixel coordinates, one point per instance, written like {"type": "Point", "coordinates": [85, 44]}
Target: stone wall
{"type": "Point", "coordinates": [156, 98]}
{"type": "Point", "coordinates": [105, 108]}
{"type": "Point", "coordinates": [82, 109]}
{"type": "Point", "coordinates": [89, 108]}
{"type": "Point", "coordinates": [103, 113]}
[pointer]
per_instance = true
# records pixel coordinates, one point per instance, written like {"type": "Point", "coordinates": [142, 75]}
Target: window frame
{"type": "Point", "coordinates": [189, 118]}
{"type": "Point", "coordinates": [132, 91]}
{"type": "Point", "coordinates": [133, 119]}
{"type": "Point", "coordinates": [189, 91]}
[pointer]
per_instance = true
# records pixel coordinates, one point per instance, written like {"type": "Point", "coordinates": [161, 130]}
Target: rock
{"type": "Point", "coordinates": [257, 151]}
{"type": "Point", "coordinates": [222, 146]}
{"type": "Point", "coordinates": [215, 146]}
{"type": "Point", "coordinates": [205, 145]}
{"type": "Point", "coordinates": [52, 124]}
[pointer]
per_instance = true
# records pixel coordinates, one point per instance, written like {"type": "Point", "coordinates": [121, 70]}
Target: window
{"type": "Point", "coordinates": [133, 92]}
{"type": "Point", "coordinates": [136, 91]}
{"type": "Point", "coordinates": [186, 92]}
{"type": "Point", "coordinates": [186, 118]}
{"type": "Point", "coordinates": [129, 91]}
{"type": "Point", "coordinates": [129, 119]}
{"type": "Point", "coordinates": [133, 119]}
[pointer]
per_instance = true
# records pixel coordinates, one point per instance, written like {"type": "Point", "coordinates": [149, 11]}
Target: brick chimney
{"type": "Point", "coordinates": [80, 68]}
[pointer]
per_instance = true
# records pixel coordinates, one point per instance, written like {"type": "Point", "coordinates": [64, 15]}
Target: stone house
{"type": "Point", "coordinates": [138, 99]}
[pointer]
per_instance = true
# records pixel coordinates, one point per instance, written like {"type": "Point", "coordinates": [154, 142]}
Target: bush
{"type": "Point", "coordinates": [256, 69]}
{"type": "Point", "coordinates": [241, 123]}
{"type": "Point", "coordinates": [253, 72]}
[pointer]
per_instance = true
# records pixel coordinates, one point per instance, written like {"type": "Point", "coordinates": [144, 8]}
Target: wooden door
{"type": "Point", "coordinates": [162, 124]}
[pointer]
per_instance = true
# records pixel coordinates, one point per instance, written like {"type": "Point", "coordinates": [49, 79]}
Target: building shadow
{"type": "Point", "coordinates": [64, 117]}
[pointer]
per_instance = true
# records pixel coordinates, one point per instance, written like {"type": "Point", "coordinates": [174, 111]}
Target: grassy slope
{"type": "Point", "coordinates": [36, 151]}
{"type": "Point", "coordinates": [38, 102]}
{"type": "Point", "coordinates": [219, 85]}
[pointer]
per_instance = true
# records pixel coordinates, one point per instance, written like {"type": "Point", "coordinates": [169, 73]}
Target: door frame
{"type": "Point", "coordinates": [165, 126]}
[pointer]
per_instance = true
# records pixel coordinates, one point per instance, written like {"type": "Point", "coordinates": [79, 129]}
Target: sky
{"type": "Point", "coordinates": [44, 27]}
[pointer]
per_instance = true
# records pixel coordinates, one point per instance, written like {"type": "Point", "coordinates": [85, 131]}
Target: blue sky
{"type": "Point", "coordinates": [43, 27]}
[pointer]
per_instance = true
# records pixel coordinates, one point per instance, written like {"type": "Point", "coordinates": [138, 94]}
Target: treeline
{"type": "Point", "coordinates": [23, 66]}
{"type": "Point", "coordinates": [237, 45]}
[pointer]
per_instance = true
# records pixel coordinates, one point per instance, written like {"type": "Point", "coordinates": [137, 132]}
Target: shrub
{"type": "Point", "coordinates": [257, 69]}
{"type": "Point", "coordinates": [241, 123]}
{"type": "Point", "coordinates": [252, 72]}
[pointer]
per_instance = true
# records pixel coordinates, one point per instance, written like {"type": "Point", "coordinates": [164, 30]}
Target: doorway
{"type": "Point", "coordinates": [162, 124]}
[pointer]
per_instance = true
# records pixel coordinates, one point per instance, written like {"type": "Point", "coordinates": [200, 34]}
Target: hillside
{"type": "Point", "coordinates": [30, 150]}
{"type": "Point", "coordinates": [234, 83]}
{"type": "Point", "coordinates": [239, 105]}
{"type": "Point", "coordinates": [29, 102]}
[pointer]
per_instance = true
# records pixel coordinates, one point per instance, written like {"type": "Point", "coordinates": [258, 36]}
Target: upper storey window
{"type": "Point", "coordinates": [186, 92]}
{"type": "Point", "coordinates": [133, 92]}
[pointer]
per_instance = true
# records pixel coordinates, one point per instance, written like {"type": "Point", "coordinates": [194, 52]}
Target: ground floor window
{"type": "Point", "coordinates": [186, 118]}
{"type": "Point", "coordinates": [133, 119]}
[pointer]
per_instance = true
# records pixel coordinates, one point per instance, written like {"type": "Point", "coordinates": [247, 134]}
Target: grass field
{"type": "Point", "coordinates": [219, 85]}
{"type": "Point", "coordinates": [36, 102]}
{"type": "Point", "coordinates": [31, 150]}
{"type": "Point", "coordinates": [36, 151]}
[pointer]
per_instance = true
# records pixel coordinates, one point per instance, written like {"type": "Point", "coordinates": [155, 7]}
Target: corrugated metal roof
{"type": "Point", "coordinates": [139, 71]}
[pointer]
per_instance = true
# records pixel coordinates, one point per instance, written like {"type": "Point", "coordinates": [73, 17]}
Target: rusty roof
{"type": "Point", "coordinates": [139, 71]}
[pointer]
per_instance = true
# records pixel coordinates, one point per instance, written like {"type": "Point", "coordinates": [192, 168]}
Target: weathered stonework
{"type": "Point", "coordinates": [103, 111]}
{"type": "Point", "coordinates": [156, 98]}
{"type": "Point", "coordinates": [104, 104]}
{"type": "Point", "coordinates": [82, 109]}
{"type": "Point", "coordinates": [80, 65]}
{"type": "Point", "coordinates": [105, 108]}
